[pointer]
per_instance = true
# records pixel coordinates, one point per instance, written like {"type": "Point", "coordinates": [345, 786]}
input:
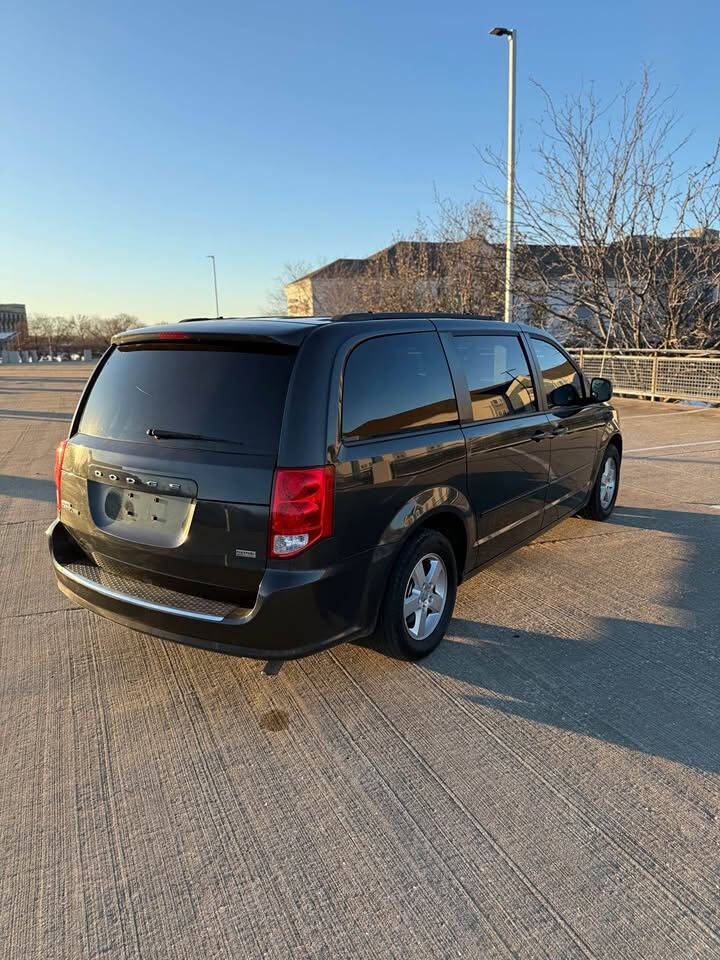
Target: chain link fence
{"type": "Point", "coordinates": [667, 376]}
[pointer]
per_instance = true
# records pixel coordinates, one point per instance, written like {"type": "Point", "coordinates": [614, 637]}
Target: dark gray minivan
{"type": "Point", "coordinates": [271, 486]}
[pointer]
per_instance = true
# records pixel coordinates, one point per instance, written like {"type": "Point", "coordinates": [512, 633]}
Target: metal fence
{"type": "Point", "coordinates": [675, 375]}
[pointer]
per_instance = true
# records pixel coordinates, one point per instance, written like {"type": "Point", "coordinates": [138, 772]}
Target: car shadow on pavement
{"type": "Point", "coordinates": [31, 386]}
{"type": "Point", "coordinates": [629, 684]}
{"type": "Point", "coordinates": [27, 488]}
{"type": "Point", "coordinates": [34, 415]}
{"type": "Point", "coordinates": [696, 526]}
{"type": "Point", "coordinates": [696, 581]}
{"type": "Point", "coordinates": [29, 378]}
{"type": "Point", "coordinates": [652, 687]}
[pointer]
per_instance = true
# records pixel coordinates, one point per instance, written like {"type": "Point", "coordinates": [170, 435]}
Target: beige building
{"type": "Point", "coordinates": [556, 286]}
{"type": "Point", "coordinates": [350, 286]}
{"type": "Point", "coordinates": [411, 275]}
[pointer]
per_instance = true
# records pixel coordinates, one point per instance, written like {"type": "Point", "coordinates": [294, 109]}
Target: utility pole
{"type": "Point", "coordinates": [211, 256]}
{"type": "Point", "coordinates": [510, 194]}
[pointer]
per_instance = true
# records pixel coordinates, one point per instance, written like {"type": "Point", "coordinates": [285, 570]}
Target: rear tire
{"type": "Point", "coordinates": [420, 597]}
{"type": "Point", "coordinates": [605, 491]}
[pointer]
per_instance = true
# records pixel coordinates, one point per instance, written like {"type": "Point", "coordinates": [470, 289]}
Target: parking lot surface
{"type": "Point", "coordinates": [546, 784]}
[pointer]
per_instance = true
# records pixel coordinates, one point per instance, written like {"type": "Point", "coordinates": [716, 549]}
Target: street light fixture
{"type": "Point", "coordinates": [211, 256]}
{"type": "Point", "coordinates": [510, 195]}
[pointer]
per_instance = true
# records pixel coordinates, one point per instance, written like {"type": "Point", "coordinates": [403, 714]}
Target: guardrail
{"type": "Point", "coordinates": [671, 375]}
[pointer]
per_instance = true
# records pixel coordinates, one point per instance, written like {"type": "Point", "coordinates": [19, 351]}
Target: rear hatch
{"type": "Point", "coordinates": [168, 477]}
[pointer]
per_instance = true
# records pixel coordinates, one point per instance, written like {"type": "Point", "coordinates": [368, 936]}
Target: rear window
{"type": "Point", "coordinates": [233, 398]}
{"type": "Point", "coordinates": [396, 383]}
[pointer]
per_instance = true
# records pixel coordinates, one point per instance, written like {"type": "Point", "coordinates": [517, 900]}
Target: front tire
{"type": "Point", "coordinates": [604, 493]}
{"type": "Point", "coordinates": [420, 597]}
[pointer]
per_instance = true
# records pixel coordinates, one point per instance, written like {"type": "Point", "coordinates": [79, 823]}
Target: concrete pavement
{"type": "Point", "coordinates": [547, 784]}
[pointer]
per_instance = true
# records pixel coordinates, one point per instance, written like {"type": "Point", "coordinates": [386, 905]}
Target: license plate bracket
{"type": "Point", "coordinates": [140, 516]}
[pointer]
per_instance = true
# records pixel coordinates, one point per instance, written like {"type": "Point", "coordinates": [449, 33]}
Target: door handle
{"type": "Point", "coordinates": [559, 431]}
{"type": "Point", "coordinates": [538, 436]}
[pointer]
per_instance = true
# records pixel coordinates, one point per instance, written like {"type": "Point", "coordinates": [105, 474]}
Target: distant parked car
{"type": "Point", "coordinates": [270, 487]}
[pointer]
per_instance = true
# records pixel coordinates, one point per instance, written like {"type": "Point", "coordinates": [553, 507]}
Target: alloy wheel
{"type": "Point", "coordinates": [425, 596]}
{"type": "Point", "coordinates": [608, 483]}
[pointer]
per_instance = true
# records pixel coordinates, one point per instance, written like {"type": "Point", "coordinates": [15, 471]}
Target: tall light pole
{"type": "Point", "coordinates": [510, 195]}
{"type": "Point", "coordinates": [211, 256]}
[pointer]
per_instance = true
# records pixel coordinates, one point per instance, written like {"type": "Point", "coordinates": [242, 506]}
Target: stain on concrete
{"type": "Point", "coordinates": [275, 721]}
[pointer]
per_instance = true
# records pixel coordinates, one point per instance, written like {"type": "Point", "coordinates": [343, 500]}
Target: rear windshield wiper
{"type": "Point", "coordinates": [159, 434]}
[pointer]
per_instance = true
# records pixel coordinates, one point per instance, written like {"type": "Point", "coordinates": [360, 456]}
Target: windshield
{"type": "Point", "coordinates": [208, 396]}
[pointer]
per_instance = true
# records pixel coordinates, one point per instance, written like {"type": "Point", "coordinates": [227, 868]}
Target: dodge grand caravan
{"type": "Point", "coordinates": [269, 487]}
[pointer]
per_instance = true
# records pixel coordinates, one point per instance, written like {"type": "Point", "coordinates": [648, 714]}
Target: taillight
{"type": "Point", "coordinates": [59, 457]}
{"type": "Point", "coordinates": [302, 509]}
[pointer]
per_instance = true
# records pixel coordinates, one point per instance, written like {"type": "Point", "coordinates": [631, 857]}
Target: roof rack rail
{"type": "Point", "coordinates": [411, 315]}
{"type": "Point", "coordinates": [297, 319]}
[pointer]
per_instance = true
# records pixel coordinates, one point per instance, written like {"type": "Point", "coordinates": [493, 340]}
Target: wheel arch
{"type": "Point", "coordinates": [608, 437]}
{"type": "Point", "coordinates": [452, 527]}
{"type": "Point", "coordinates": [616, 441]}
{"type": "Point", "coordinates": [444, 509]}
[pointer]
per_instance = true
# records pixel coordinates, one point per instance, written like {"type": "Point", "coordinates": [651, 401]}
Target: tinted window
{"type": "Point", "coordinates": [396, 383]}
{"type": "Point", "coordinates": [226, 394]}
{"type": "Point", "coordinates": [558, 375]}
{"type": "Point", "coordinates": [498, 376]}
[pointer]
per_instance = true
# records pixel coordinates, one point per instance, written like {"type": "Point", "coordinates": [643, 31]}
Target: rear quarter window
{"type": "Point", "coordinates": [394, 384]}
{"type": "Point", "coordinates": [234, 396]}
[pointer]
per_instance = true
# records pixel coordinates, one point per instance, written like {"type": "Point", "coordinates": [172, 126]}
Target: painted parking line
{"type": "Point", "coordinates": [673, 446]}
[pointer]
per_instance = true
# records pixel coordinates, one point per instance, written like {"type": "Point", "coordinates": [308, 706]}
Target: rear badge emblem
{"type": "Point", "coordinates": [250, 554]}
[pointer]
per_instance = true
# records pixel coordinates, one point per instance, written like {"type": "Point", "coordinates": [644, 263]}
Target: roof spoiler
{"type": "Point", "coordinates": [242, 339]}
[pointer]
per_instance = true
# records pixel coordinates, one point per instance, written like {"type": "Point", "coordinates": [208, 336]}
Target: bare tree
{"type": "Point", "coordinates": [67, 335]}
{"type": "Point", "coordinates": [618, 239]}
{"type": "Point", "coordinates": [49, 334]}
{"type": "Point", "coordinates": [40, 333]}
{"type": "Point", "coordinates": [276, 303]}
{"type": "Point", "coordinates": [118, 323]}
{"type": "Point", "coordinates": [449, 263]}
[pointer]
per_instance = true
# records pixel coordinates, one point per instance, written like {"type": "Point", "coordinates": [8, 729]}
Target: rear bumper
{"type": "Point", "coordinates": [297, 612]}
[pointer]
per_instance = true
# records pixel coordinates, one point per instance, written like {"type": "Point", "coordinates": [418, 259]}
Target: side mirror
{"type": "Point", "coordinates": [564, 396]}
{"type": "Point", "coordinates": [600, 389]}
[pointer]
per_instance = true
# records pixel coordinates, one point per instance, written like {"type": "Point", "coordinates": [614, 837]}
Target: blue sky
{"type": "Point", "coordinates": [139, 137]}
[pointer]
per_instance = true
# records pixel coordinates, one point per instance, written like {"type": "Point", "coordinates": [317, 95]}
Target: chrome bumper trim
{"type": "Point", "coordinates": [135, 601]}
